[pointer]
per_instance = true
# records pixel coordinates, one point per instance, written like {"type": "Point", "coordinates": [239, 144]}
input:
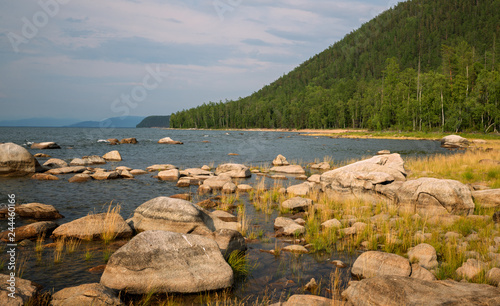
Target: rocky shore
{"type": "Point", "coordinates": [423, 239]}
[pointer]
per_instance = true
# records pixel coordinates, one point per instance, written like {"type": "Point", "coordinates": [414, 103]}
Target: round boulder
{"type": "Point", "coordinates": [374, 263]}
{"type": "Point", "coordinates": [86, 294]}
{"type": "Point", "coordinates": [167, 262]}
{"type": "Point", "coordinates": [16, 160]}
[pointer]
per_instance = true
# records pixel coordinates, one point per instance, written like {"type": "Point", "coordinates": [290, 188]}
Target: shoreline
{"type": "Point", "coordinates": [360, 133]}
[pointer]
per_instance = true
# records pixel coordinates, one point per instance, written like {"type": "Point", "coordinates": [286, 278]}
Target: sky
{"type": "Point", "coordinates": [91, 60]}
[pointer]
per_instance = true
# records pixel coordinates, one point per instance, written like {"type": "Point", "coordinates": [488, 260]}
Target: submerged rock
{"type": "Point", "coordinates": [168, 140]}
{"type": "Point", "coordinates": [44, 177]}
{"type": "Point", "coordinates": [167, 262]}
{"type": "Point", "coordinates": [17, 161]}
{"type": "Point", "coordinates": [55, 163]}
{"type": "Point", "coordinates": [80, 178]}
{"type": "Point", "coordinates": [66, 170]}
{"type": "Point", "coordinates": [131, 140]}
{"type": "Point", "coordinates": [292, 169]}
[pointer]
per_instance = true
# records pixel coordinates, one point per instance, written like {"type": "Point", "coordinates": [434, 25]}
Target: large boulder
{"type": "Point", "coordinates": [394, 290]}
{"type": "Point", "coordinates": [86, 294]}
{"type": "Point", "coordinates": [280, 160]}
{"type": "Point", "coordinates": [45, 145]}
{"type": "Point", "coordinates": [454, 141]}
{"type": "Point", "coordinates": [488, 198]}
{"type": "Point", "coordinates": [233, 170]}
{"type": "Point", "coordinates": [23, 288]}
{"type": "Point", "coordinates": [291, 169]}
{"type": "Point", "coordinates": [16, 161]}
{"type": "Point", "coordinates": [374, 179]}
{"type": "Point", "coordinates": [36, 211]}
{"type": "Point", "coordinates": [169, 214]}
{"type": "Point", "coordinates": [169, 175]}
{"type": "Point", "coordinates": [165, 262]}
{"type": "Point", "coordinates": [168, 140]}
{"type": "Point", "coordinates": [374, 263]}
{"type": "Point", "coordinates": [30, 231]}
{"type": "Point", "coordinates": [430, 196]}
{"type": "Point", "coordinates": [95, 226]}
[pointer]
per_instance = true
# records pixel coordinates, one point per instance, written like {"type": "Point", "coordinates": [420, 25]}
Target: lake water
{"type": "Point", "coordinates": [274, 276]}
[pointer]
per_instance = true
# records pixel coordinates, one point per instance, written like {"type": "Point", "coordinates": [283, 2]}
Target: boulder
{"type": "Point", "coordinates": [86, 294]}
{"type": "Point", "coordinates": [187, 181]}
{"type": "Point", "coordinates": [394, 290]}
{"type": "Point", "coordinates": [168, 214]}
{"type": "Point", "coordinates": [196, 172]}
{"type": "Point", "coordinates": [292, 169]}
{"type": "Point", "coordinates": [470, 269]}
{"type": "Point", "coordinates": [55, 163]}
{"type": "Point", "coordinates": [297, 203]}
{"type": "Point", "coordinates": [383, 152]}
{"type": "Point", "coordinates": [315, 178]}
{"type": "Point", "coordinates": [488, 198]}
{"type": "Point", "coordinates": [216, 182]}
{"type": "Point", "coordinates": [80, 178]}
{"type": "Point", "coordinates": [321, 166]}
{"type": "Point", "coordinates": [105, 175]}
{"type": "Point", "coordinates": [224, 216]}
{"type": "Point", "coordinates": [293, 229]}
{"type": "Point", "coordinates": [30, 231]}
{"type": "Point", "coordinates": [44, 177]}
{"type": "Point", "coordinates": [233, 170]}
{"type": "Point", "coordinates": [229, 241]}
{"type": "Point", "coordinates": [93, 160]}
{"type": "Point", "coordinates": [333, 223]}
{"type": "Point", "coordinates": [311, 300]}
{"type": "Point", "coordinates": [125, 174]}
{"type": "Point", "coordinates": [66, 170]}
{"type": "Point", "coordinates": [374, 179]}
{"type": "Point", "coordinates": [432, 197]}
{"type": "Point", "coordinates": [167, 262]}
{"type": "Point", "coordinates": [168, 140]}
{"type": "Point", "coordinates": [36, 211]}
{"type": "Point", "coordinates": [131, 140]}
{"type": "Point", "coordinates": [281, 222]}
{"type": "Point", "coordinates": [374, 263]}
{"type": "Point", "coordinates": [24, 290]}
{"type": "Point", "coordinates": [169, 175]}
{"type": "Point", "coordinates": [16, 161]}
{"type": "Point", "coordinates": [229, 187]}
{"type": "Point", "coordinates": [112, 156]}
{"type": "Point", "coordinates": [493, 276]}
{"type": "Point", "coordinates": [244, 188]}
{"type": "Point", "coordinates": [300, 189]}
{"type": "Point", "coordinates": [138, 172]}
{"type": "Point", "coordinates": [295, 248]}
{"type": "Point", "coordinates": [78, 162]}
{"type": "Point", "coordinates": [425, 255]}
{"type": "Point", "coordinates": [42, 155]}
{"type": "Point", "coordinates": [280, 160]}
{"type": "Point", "coordinates": [182, 196]}
{"type": "Point", "coordinates": [104, 225]}
{"type": "Point", "coordinates": [113, 141]}
{"type": "Point", "coordinates": [45, 145]}
{"type": "Point", "coordinates": [421, 273]}
{"type": "Point", "coordinates": [454, 141]}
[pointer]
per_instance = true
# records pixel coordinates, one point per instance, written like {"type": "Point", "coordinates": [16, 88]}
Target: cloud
{"type": "Point", "coordinates": [88, 53]}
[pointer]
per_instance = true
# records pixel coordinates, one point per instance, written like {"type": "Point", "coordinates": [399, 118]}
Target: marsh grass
{"type": "Point", "coordinates": [240, 264]}
{"type": "Point", "coordinates": [20, 266]}
{"type": "Point", "coordinates": [58, 250]}
{"type": "Point", "coordinates": [72, 245]}
{"type": "Point", "coordinates": [39, 245]}
{"type": "Point", "coordinates": [111, 223]}
{"type": "Point", "coordinates": [88, 255]}
{"type": "Point", "coordinates": [243, 220]}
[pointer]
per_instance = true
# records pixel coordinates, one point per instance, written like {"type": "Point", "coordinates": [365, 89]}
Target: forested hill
{"type": "Point", "coordinates": [154, 121]}
{"type": "Point", "coordinates": [422, 65]}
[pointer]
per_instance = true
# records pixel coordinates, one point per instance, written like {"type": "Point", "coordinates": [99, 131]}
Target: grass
{"type": "Point", "coordinates": [58, 250]}
{"type": "Point", "coordinates": [72, 245]}
{"type": "Point", "coordinates": [88, 255]}
{"type": "Point", "coordinates": [240, 264]}
{"type": "Point", "coordinates": [39, 246]}
{"type": "Point", "coordinates": [111, 223]}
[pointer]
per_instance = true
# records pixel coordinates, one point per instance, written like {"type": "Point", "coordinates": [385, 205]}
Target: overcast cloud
{"type": "Point", "coordinates": [77, 58]}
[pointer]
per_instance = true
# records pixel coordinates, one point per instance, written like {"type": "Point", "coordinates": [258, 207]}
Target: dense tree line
{"type": "Point", "coordinates": [423, 65]}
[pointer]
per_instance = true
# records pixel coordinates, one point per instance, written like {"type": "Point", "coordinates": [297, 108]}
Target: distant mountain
{"type": "Point", "coordinates": [155, 121]}
{"type": "Point", "coordinates": [38, 122]}
{"type": "Point", "coordinates": [114, 122]}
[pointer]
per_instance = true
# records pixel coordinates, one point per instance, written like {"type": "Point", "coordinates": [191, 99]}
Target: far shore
{"type": "Point", "coordinates": [361, 133]}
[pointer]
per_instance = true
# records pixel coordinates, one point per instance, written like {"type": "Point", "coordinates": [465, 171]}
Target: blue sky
{"type": "Point", "coordinates": [91, 60]}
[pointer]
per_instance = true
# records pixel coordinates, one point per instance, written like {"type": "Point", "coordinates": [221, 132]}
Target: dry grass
{"type": "Point", "coordinates": [111, 223]}
{"type": "Point", "coordinates": [465, 166]}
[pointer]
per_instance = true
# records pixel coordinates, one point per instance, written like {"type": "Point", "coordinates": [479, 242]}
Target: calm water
{"type": "Point", "coordinates": [278, 275]}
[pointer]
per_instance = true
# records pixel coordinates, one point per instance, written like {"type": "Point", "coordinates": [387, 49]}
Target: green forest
{"type": "Point", "coordinates": [420, 66]}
